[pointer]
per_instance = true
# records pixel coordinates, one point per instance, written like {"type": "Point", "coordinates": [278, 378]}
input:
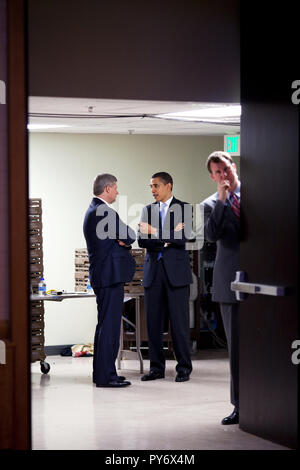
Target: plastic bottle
{"type": "Point", "coordinates": [42, 287]}
{"type": "Point", "coordinates": [89, 289]}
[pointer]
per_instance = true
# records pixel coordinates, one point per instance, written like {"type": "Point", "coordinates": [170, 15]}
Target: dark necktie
{"type": "Point", "coordinates": [235, 204]}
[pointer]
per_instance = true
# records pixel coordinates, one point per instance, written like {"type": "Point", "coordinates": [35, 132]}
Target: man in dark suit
{"type": "Point", "coordinates": [222, 225]}
{"type": "Point", "coordinates": [165, 225]}
{"type": "Point", "coordinates": [108, 242]}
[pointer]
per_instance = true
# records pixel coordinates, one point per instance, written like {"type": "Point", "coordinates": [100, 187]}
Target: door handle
{"type": "Point", "coordinates": [243, 288]}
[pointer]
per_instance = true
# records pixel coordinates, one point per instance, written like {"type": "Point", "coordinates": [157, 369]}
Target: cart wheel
{"type": "Point", "coordinates": [45, 367]}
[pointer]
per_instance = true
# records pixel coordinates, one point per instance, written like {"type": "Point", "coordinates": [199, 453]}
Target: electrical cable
{"type": "Point", "coordinates": [126, 116]}
{"type": "Point", "coordinates": [219, 341]}
{"type": "Point", "coordinates": [89, 116]}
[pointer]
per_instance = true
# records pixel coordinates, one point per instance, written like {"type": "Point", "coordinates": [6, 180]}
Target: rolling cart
{"type": "Point", "coordinates": [36, 268]}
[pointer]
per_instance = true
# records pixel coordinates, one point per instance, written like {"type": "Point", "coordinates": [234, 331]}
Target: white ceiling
{"type": "Point", "coordinates": [122, 117]}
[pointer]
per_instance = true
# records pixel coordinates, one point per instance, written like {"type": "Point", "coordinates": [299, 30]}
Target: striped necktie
{"type": "Point", "coordinates": [235, 204]}
{"type": "Point", "coordinates": [162, 214]}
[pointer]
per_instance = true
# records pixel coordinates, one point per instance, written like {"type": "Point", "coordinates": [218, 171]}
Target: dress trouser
{"type": "Point", "coordinates": [107, 335]}
{"type": "Point", "coordinates": [230, 316]}
{"type": "Point", "coordinates": [163, 300]}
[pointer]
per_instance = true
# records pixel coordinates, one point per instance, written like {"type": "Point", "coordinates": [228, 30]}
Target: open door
{"type": "Point", "coordinates": [269, 249]}
{"type": "Point", "coordinates": [14, 286]}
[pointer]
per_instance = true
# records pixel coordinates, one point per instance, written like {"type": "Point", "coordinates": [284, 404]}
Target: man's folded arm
{"type": "Point", "coordinates": [125, 233]}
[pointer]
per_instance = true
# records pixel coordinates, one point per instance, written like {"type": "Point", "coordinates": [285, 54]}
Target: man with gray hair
{"type": "Point", "coordinates": [108, 242]}
{"type": "Point", "coordinates": [222, 225]}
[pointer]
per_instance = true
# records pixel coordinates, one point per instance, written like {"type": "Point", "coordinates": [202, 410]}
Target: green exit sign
{"type": "Point", "coordinates": [232, 144]}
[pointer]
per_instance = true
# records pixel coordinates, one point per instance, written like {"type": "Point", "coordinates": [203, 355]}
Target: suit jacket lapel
{"type": "Point", "coordinates": [170, 215]}
{"type": "Point", "coordinates": [153, 217]}
{"type": "Point", "coordinates": [174, 201]}
{"type": "Point", "coordinates": [231, 214]}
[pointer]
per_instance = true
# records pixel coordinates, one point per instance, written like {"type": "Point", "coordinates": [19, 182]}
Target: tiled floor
{"type": "Point", "coordinates": [69, 412]}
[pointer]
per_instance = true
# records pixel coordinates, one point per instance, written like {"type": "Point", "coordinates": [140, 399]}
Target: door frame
{"type": "Point", "coordinates": [16, 432]}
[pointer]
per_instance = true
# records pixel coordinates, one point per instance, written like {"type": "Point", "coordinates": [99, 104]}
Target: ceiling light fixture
{"type": "Point", "coordinates": [34, 127]}
{"type": "Point", "coordinates": [209, 113]}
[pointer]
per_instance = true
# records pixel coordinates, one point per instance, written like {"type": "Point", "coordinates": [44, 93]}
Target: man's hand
{"type": "Point", "coordinates": [121, 243]}
{"type": "Point", "coordinates": [223, 188]}
{"type": "Point", "coordinates": [179, 227]}
{"type": "Point", "coordinates": [147, 228]}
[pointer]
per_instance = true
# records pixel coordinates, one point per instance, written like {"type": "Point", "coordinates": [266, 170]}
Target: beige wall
{"type": "Point", "coordinates": [61, 171]}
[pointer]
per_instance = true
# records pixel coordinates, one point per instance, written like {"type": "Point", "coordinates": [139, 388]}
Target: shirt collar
{"type": "Point", "coordinates": [237, 190]}
{"type": "Point", "coordinates": [168, 202]}
{"type": "Point", "coordinates": [103, 200]}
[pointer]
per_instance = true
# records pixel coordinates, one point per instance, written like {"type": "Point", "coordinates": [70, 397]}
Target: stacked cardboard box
{"type": "Point", "coordinates": [135, 286]}
{"type": "Point", "coordinates": [36, 268]}
{"type": "Point", "coordinates": [82, 270]}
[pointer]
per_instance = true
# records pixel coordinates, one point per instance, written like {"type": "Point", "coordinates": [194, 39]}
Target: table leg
{"type": "Point", "coordinates": [138, 332]}
{"type": "Point", "coordinates": [119, 357]}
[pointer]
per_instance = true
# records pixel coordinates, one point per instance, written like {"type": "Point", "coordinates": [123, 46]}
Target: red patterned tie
{"type": "Point", "coordinates": [235, 204]}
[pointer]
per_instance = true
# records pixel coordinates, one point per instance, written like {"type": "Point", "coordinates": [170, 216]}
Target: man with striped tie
{"type": "Point", "coordinates": [222, 225]}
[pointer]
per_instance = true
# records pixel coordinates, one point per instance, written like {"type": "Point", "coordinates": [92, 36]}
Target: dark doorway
{"type": "Point", "coordinates": [269, 250]}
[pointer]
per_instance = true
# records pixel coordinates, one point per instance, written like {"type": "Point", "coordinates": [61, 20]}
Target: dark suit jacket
{"type": "Point", "coordinates": [175, 256]}
{"type": "Point", "coordinates": [222, 226]}
{"type": "Point", "coordinates": [110, 263]}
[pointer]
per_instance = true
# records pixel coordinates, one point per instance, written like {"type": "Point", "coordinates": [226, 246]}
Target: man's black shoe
{"type": "Point", "coordinates": [181, 377]}
{"type": "Point", "coordinates": [231, 419]}
{"type": "Point", "coordinates": [115, 384]}
{"type": "Point", "coordinates": [153, 375]}
{"type": "Point", "coordinates": [120, 378]}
